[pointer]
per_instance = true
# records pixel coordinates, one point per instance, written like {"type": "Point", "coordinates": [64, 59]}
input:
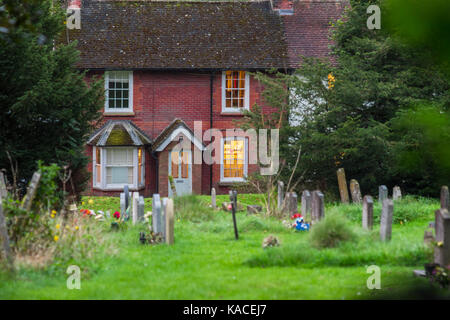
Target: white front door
{"type": "Point", "coordinates": [180, 168]}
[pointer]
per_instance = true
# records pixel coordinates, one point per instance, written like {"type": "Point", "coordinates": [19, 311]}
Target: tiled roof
{"type": "Point", "coordinates": [119, 133]}
{"type": "Point", "coordinates": [180, 35]}
{"type": "Point", "coordinates": [168, 134]}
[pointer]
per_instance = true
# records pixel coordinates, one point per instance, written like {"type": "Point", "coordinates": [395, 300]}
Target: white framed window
{"type": "Point", "coordinates": [234, 159]}
{"type": "Point", "coordinates": [235, 91]}
{"type": "Point", "coordinates": [115, 167]}
{"type": "Point", "coordinates": [118, 91]}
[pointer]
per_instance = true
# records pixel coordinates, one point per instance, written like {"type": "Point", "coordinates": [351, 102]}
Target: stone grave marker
{"type": "Point", "coordinates": [386, 220]}
{"type": "Point", "coordinates": [253, 209]}
{"type": "Point", "coordinates": [396, 193]}
{"type": "Point", "coordinates": [135, 207]}
{"type": "Point", "coordinates": [4, 238]}
{"type": "Point", "coordinates": [123, 207]}
{"type": "Point", "coordinates": [317, 207]}
{"type": "Point", "coordinates": [367, 213]}
{"type": "Point", "coordinates": [213, 198]}
{"type": "Point", "coordinates": [3, 190]}
{"type": "Point", "coordinates": [445, 200]}
{"type": "Point", "coordinates": [442, 248]}
{"type": "Point", "coordinates": [170, 222]}
{"type": "Point", "coordinates": [291, 203]}
{"type": "Point", "coordinates": [156, 213]}
{"type": "Point", "coordinates": [355, 191]}
{"type": "Point", "coordinates": [31, 191]}
{"type": "Point", "coordinates": [306, 205]}
{"type": "Point", "coordinates": [280, 194]}
{"type": "Point", "coordinates": [343, 190]}
{"type": "Point", "coordinates": [163, 217]}
{"type": "Point", "coordinates": [141, 209]}
{"type": "Point", "coordinates": [382, 193]}
{"type": "Point", "coordinates": [126, 191]}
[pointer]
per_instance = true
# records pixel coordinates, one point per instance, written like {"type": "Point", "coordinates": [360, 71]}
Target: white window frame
{"type": "Point", "coordinates": [103, 184]}
{"type": "Point", "coordinates": [233, 179]}
{"type": "Point", "coordinates": [130, 94]}
{"type": "Point", "coordinates": [246, 95]}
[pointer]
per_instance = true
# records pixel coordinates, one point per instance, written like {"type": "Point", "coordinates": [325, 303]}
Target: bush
{"type": "Point", "coordinates": [332, 230]}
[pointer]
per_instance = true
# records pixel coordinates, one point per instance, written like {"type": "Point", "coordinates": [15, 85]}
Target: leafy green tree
{"type": "Point", "coordinates": [46, 107]}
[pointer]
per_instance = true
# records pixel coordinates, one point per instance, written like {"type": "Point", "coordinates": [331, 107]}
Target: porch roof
{"type": "Point", "coordinates": [119, 133]}
{"type": "Point", "coordinates": [168, 135]}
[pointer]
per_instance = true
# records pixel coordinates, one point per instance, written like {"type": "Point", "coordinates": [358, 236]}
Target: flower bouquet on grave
{"type": "Point", "coordinates": [150, 238]}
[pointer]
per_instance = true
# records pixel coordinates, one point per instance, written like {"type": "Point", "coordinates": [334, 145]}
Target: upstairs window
{"type": "Point", "coordinates": [235, 91]}
{"type": "Point", "coordinates": [119, 91]}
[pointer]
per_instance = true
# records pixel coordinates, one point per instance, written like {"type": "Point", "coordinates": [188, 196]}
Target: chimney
{"type": "Point", "coordinates": [283, 7]}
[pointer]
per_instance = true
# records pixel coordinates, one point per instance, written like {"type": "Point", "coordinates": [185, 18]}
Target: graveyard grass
{"type": "Point", "coordinates": [206, 261]}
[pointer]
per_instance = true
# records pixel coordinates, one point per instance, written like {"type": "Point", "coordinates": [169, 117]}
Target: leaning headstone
{"type": "Point", "coordinates": [123, 207]}
{"type": "Point", "coordinates": [291, 203]}
{"type": "Point", "coordinates": [4, 239]}
{"type": "Point", "coordinates": [382, 193]}
{"type": "Point", "coordinates": [127, 196]}
{"type": "Point", "coordinates": [213, 198]}
{"type": "Point", "coordinates": [3, 190]}
{"type": "Point", "coordinates": [280, 194]}
{"type": "Point", "coordinates": [387, 213]}
{"type": "Point", "coordinates": [367, 213]}
{"type": "Point", "coordinates": [442, 248]}
{"type": "Point", "coordinates": [317, 207]}
{"type": "Point", "coordinates": [141, 209]}
{"type": "Point", "coordinates": [343, 191]}
{"type": "Point", "coordinates": [396, 193]}
{"type": "Point", "coordinates": [306, 204]}
{"type": "Point", "coordinates": [163, 217]}
{"type": "Point", "coordinates": [253, 209]}
{"type": "Point", "coordinates": [135, 207]}
{"type": "Point", "coordinates": [31, 191]}
{"type": "Point", "coordinates": [156, 213]}
{"type": "Point", "coordinates": [445, 201]}
{"type": "Point", "coordinates": [355, 191]}
{"type": "Point", "coordinates": [170, 221]}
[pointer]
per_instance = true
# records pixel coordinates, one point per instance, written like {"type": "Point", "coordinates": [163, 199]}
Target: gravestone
{"type": "Point", "coordinates": [213, 198]}
{"type": "Point", "coordinates": [382, 193]}
{"type": "Point", "coordinates": [163, 217]}
{"type": "Point", "coordinates": [127, 197]}
{"type": "Point", "coordinates": [31, 191]}
{"type": "Point", "coordinates": [141, 209]}
{"type": "Point", "coordinates": [445, 201]}
{"type": "Point", "coordinates": [343, 191]}
{"type": "Point", "coordinates": [317, 207]}
{"type": "Point", "coordinates": [386, 220]}
{"type": "Point", "coordinates": [170, 222]}
{"type": "Point", "coordinates": [280, 194]}
{"type": "Point", "coordinates": [253, 209]}
{"type": "Point", "coordinates": [156, 213]}
{"type": "Point", "coordinates": [291, 203]}
{"type": "Point", "coordinates": [306, 204]}
{"type": "Point", "coordinates": [135, 207]}
{"type": "Point", "coordinates": [233, 200]}
{"type": "Point", "coordinates": [4, 238]}
{"type": "Point", "coordinates": [123, 207]}
{"type": "Point", "coordinates": [396, 193]}
{"type": "Point", "coordinates": [3, 190]}
{"type": "Point", "coordinates": [442, 248]}
{"type": "Point", "coordinates": [355, 191]}
{"type": "Point", "coordinates": [367, 213]}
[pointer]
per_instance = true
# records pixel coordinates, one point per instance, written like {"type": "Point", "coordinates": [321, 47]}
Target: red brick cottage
{"type": "Point", "coordinates": [167, 64]}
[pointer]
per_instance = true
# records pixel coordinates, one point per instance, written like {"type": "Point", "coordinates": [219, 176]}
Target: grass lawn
{"type": "Point", "coordinates": [207, 263]}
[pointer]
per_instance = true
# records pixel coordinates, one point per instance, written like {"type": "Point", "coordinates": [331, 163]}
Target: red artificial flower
{"type": "Point", "coordinates": [296, 215]}
{"type": "Point", "coordinates": [116, 215]}
{"type": "Point", "coordinates": [230, 207]}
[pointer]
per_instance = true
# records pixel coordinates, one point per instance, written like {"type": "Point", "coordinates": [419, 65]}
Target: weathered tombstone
{"type": "Point", "coordinates": [382, 193]}
{"type": "Point", "coordinates": [445, 201]}
{"type": "Point", "coordinates": [163, 217]}
{"type": "Point", "coordinates": [233, 199]}
{"type": "Point", "coordinates": [317, 207]}
{"type": "Point", "coordinates": [4, 239]}
{"type": "Point", "coordinates": [156, 213]}
{"type": "Point", "coordinates": [3, 190]}
{"type": "Point", "coordinates": [355, 191]}
{"type": "Point", "coordinates": [126, 192]}
{"type": "Point", "coordinates": [367, 213]}
{"type": "Point", "coordinates": [386, 220]}
{"type": "Point", "coordinates": [253, 209]}
{"type": "Point", "coordinates": [31, 191]}
{"type": "Point", "coordinates": [213, 198]}
{"type": "Point", "coordinates": [343, 191]}
{"type": "Point", "coordinates": [396, 193]}
{"type": "Point", "coordinates": [141, 208]}
{"type": "Point", "coordinates": [306, 204]}
{"type": "Point", "coordinates": [428, 237]}
{"type": "Point", "coordinates": [291, 203]}
{"type": "Point", "coordinates": [442, 248]}
{"type": "Point", "coordinates": [170, 221]}
{"type": "Point", "coordinates": [123, 207]}
{"type": "Point", "coordinates": [280, 194]}
{"type": "Point", "coordinates": [135, 207]}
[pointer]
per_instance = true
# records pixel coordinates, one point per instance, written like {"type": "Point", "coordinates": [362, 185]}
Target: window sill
{"type": "Point", "coordinates": [232, 113]}
{"type": "Point", "coordinates": [119, 189]}
{"type": "Point", "coordinates": [230, 183]}
{"type": "Point", "coordinates": [125, 113]}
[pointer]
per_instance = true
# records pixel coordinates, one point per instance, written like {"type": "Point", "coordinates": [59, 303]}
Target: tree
{"type": "Point", "coordinates": [46, 107]}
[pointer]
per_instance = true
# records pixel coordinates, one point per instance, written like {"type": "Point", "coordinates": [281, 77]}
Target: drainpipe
{"type": "Point", "coordinates": [154, 156]}
{"type": "Point", "coordinates": [211, 82]}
